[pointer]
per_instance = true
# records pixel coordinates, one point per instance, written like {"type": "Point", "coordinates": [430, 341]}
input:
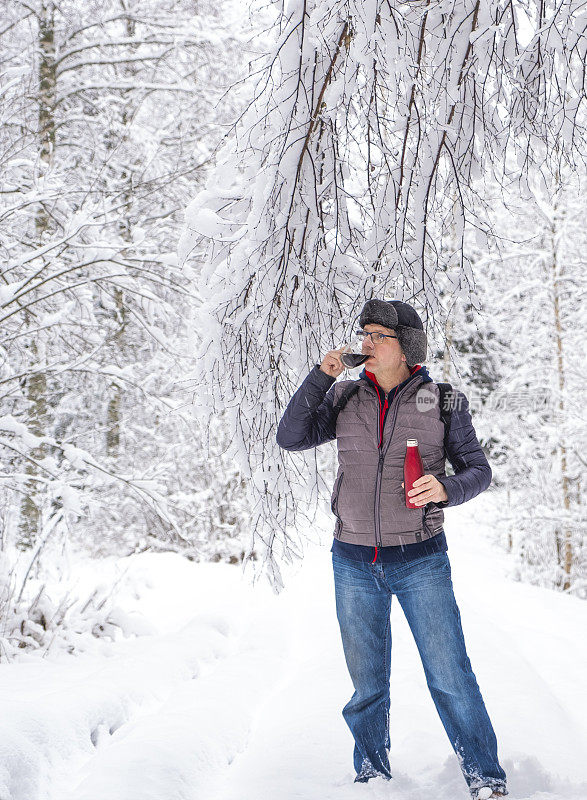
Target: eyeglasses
{"type": "Point", "coordinates": [376, 336]}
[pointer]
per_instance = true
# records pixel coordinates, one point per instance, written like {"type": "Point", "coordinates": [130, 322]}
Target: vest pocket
{"type": "Point", "coordinates": [426, 528]}
{"type": "Point", "coordinates": [334, 499]}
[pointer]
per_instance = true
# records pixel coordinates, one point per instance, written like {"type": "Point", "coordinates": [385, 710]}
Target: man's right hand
{"type": "Point", "coordinates": [331, 363]}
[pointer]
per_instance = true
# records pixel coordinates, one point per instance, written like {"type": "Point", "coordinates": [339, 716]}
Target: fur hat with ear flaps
{"type": "Point", "coordinates": [404, 320]}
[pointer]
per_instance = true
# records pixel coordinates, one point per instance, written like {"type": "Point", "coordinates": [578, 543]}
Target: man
{"type": "Point", "coordinates": [382, 548]}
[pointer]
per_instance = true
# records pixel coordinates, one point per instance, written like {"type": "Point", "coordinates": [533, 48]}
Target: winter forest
{"type": "Point", "coordinates": [196, 200]}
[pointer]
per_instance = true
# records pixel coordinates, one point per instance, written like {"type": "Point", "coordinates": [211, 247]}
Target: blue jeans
{"type": "Point", "coordinates": [425, 592]}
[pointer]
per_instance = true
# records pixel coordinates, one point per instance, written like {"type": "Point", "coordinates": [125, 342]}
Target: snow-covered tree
{"type": "Point", "coordinates": [358, 154]}
{"type": "Point", "coordinates": [110, 115]}
{"type": "Point", "coordinates": [539, 429]}
{"type": "Point", "coordinates": [520, 354]}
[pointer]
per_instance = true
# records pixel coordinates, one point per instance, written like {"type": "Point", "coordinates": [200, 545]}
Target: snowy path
{"type": "Point", "coordinates": [530, 669]}
{"type": "Point", "coordinates": [236, 694]}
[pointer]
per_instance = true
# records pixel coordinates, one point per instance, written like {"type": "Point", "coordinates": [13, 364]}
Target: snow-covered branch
{"type": "Point", "coordinates": [362, 147]}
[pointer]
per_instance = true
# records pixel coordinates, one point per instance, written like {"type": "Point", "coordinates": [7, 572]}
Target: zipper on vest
{"type": "Point", "coordinates": [334, 504]}
{"type": "Point", "coordinates": [425, 526]}
{"type": "Point", "coordinates": [382, 454]}
{"type": "Point", "coordinates": [378, 499]}
{"type": "Point", "coordinates": [382, 413]}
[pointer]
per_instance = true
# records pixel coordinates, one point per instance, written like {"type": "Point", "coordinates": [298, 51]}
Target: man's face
{"type": "Point", "coordinates": [385, 355]}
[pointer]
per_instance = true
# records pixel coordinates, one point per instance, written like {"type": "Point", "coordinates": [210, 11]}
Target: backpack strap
{"type": "Point", "coordinates": [446, 401]}
{"type": "Point", "coordinates": [344, 398]}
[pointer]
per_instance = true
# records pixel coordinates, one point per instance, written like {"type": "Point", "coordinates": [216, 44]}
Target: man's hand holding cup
{"type": "Point", "coordinates": [331, 363]}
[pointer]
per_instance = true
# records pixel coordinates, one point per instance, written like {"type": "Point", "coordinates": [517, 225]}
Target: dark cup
{"type": "Point", "coordinates": [352, 360]}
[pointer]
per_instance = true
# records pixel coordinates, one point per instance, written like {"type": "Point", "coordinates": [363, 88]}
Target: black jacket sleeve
{"type": "Point", "coordinates": [309, 418]}
{"type": "Point", "coordinates": [472, 471]}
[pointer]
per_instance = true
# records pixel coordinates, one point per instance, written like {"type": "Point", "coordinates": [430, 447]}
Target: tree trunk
{"type": "Point", "coordinates": [36, 382]}
{"type": "Point", "coordinates": [113, 410]}
{"type": "Point", "coordinates": [47, 96]}
{"type": "Point", "coordinates": [125, 230]}
{"type": "Point", "coordinates": [566, 554]}
{"type": "Point", "coordinates": [30, 508]}
{"type": "Point", "coordinates": [448, 340]}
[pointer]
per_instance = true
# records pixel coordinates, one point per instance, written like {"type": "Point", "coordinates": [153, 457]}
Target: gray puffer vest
{"type": "Point", "coordinates": [368, 499]}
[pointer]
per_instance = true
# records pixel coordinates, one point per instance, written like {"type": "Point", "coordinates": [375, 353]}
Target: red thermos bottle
{"type": "Point", "coordinates": [413, 469]}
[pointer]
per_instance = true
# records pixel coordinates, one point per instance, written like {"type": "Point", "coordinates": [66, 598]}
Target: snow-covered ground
{"type": "Point", "coordinates": [234, 693]}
